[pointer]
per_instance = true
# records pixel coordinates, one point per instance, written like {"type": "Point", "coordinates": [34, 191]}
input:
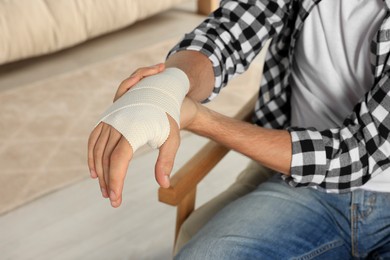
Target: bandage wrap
{"type": "Point", "coordinates": [140, 115]}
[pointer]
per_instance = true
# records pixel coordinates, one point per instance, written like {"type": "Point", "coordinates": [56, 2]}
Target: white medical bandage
{"type": "Point", "coordinates": [140, 115]}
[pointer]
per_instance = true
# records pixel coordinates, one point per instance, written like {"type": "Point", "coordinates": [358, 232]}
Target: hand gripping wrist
{"type": "Point", "coordinates": [140, 115]}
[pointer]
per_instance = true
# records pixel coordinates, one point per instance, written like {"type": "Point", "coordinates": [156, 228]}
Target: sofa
{"type": "Point", "coordinates": [30, 28]}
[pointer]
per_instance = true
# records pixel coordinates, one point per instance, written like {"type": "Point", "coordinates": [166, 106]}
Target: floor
{"type": "Point", "coordinates": [75, 223]}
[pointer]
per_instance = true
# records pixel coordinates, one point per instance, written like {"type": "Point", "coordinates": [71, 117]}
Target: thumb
{"type": "Point", "coordinates": [166, 156]}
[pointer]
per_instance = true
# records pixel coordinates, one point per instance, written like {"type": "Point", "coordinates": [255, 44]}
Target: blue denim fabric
{"type": "Point", "coordinates": [277, 221]}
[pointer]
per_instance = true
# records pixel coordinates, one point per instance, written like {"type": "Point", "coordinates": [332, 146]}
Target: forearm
{"type": "Point", "coordinates": [199, 71]}
{"type": "Point", "coordinates": [270, 147]}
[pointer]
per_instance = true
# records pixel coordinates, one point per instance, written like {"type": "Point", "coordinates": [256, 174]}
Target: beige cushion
{"type": "Point", "coordinates": [247, 181]}
{"type": "Point", "coordinates": [34, 27]}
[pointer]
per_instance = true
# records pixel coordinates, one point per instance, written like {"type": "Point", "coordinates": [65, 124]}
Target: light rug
{"type": "Point", "coordinates": [44, 126]}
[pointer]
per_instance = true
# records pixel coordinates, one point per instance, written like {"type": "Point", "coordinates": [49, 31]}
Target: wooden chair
{"type": "Point", "coordinates": [182, 191]}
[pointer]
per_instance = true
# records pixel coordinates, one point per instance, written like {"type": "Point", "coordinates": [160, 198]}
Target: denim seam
{"type": "Point", "coordinates": [324, 248]}
{"type": "Point", "coordinates": [354, 227]}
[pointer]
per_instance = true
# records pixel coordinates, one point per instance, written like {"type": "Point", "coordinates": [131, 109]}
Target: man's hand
{"type": "Point", "coordinates": [109, 153]}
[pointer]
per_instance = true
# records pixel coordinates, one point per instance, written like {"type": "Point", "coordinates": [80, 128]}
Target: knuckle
{"type": "Point", "coordinates": [115, 156]}
{"type": "Point", "coordinates": [166, 163]}
{"type": "Point", "coordinates": [137, 71]}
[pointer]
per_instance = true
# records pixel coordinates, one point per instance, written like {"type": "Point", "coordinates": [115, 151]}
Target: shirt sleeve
{"type": "Point", "coordinates": [343, 159]}
{"type": "Point", "coordinates": [234, 34]}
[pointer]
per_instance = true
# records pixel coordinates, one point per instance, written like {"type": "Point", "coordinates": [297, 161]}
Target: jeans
{"type": "Point", "coordinates": [277, 221]}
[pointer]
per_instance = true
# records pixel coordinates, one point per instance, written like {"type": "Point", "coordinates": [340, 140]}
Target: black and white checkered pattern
{"type": "Point", "coordinates": [234, 34]}
{"type": "Point", "coordinates": [337, 160]}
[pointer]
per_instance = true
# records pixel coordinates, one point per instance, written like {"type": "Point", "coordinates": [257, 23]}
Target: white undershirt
{"type": "Point", "coordinates": [332, 70]}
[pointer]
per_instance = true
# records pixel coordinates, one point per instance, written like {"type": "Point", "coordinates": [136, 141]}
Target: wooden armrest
{"type": "Point", "coordinates": [188, 177]}
{"type": "Point", "coordinates": [206, 7]}
{"type": "Point", "coordinates": [182, 191]}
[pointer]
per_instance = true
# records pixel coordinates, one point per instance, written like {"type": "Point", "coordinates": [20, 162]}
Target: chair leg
{"type": "Point", "coordinates": [184, 209]}
{"type": "Point", "coordinates": [206, 7]}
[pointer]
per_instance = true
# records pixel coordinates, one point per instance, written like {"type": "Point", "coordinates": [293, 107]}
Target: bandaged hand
{"type": "Point", "coordinates": [140, 115]}
{"type": "Point", "coordinates": [149, 112]}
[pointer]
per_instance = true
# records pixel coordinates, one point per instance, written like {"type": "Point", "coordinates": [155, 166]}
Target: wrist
{"type": "Point", "coordinates": [199, 122]}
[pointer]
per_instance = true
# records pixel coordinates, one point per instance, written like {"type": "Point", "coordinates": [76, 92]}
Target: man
{"type": "Point", "coordinates": [327, 72]}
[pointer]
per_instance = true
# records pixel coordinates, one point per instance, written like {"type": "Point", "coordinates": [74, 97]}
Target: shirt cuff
{"type": "Point", "coordinates": [309, 161]}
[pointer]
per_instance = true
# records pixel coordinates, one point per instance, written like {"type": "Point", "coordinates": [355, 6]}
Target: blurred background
{"type": "Point", "coordinates": [61, 62]}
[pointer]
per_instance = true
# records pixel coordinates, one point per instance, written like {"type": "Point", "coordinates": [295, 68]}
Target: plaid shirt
{"type": "Point", "coordinates": [336, 160]}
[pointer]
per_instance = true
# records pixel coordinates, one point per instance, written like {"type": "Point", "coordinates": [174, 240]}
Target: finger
{"type": "Point", "coordinates": [136, 77]}
{"type": "Point", "coordinates": [166, 156]}
{"type": "Point", "coordinates": [113, 140]}
{"type": "Point", "coordinates": [120, 159]}
{"type": "Point", "coordinates": [98, 157]}
{"type": "Point", "coordinates": [91, 145]}
{"type": "Point", "coordinates": [148, 71]}
{"type": "Point", "coordinates": [125, 86]}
